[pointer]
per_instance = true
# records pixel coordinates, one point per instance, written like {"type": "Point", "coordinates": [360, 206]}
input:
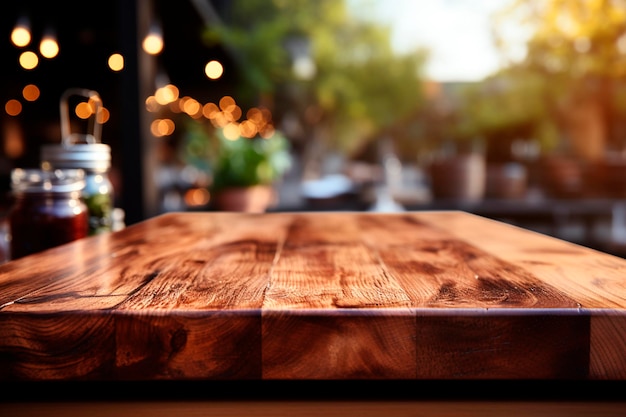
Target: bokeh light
{"type": "Point", "coordinates": [29, 60]}
{"type": "Point", "coordinates": [48, 47]}
{"type": "Point", "coordinates": [116, 62]}
{"type": "Point", "coordinates": [31, 92]}
{"type": "Point", "coordinates": [13, 107]}
{"type": "Point", "coordinates": [153, 42]}
{"type": "Point", "coordinates": [20, 36]}
{"type": "Point", "coordinates": [214, 70]}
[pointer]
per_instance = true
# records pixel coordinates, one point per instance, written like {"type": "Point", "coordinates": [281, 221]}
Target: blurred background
{"type": "Point", "coordinates": [510, 109]}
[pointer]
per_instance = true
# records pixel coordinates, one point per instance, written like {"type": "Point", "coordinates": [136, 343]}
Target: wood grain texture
{"type": "Point", "coordinates": [325, 295]}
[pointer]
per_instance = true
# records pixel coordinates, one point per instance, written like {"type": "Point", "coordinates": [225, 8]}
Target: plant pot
{"type": "Point", "coordinates": [506, 180]}
{"type": "Point", "coordinates": [562, 176]}
{"type": "Point", "coordinates": [253, 199]}
{"type": "Point", "coordinates": [459, 177]}
{"type": "Point", "coordinates": [608, 177]}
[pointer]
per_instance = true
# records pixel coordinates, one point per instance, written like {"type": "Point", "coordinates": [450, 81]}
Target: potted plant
{"type": "Point", "coordinates": [458, 171]}
{"type": "Point", "coordinates": [244, 170]}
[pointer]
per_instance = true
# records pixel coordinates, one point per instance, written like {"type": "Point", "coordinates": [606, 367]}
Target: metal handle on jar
{"type": "Point", "coordinates": [95, 124]}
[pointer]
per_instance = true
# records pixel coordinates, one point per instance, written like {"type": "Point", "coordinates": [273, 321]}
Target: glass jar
{"type": "Point", "coordinates": [95, 160]}
{"type": "Point", "coordinates": [85, 151]}
{"type": "Point", "coordinates": [47, 210]}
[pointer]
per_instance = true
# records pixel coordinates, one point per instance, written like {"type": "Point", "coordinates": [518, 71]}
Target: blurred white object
{"type": "Point", "coordinates": [391, 178]}
{"type": "Point", "coordinates": [385, 202]}
{"type": "Point", "coordinates": [329, 186]}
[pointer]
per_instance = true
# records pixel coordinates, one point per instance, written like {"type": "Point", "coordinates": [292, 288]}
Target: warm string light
{"type": "Point", "coordinates": [225, 115]}
{"type": "Point", "coordinates": [20, 36]}
{"type": "Point", "coordinates": [29, 60]}
{"type": "Point", "coordinates": [153, 42]}
{"type": "Point", "coordinates": [214, 70]}
{"type": "Point", "coordinates": [48, 47]}
{"type": "Point", "coordinates": [116, 62]}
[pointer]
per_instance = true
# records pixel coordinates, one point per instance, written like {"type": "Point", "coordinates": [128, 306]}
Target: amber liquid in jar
{"type": "Point", "coordinates": [47, 211]}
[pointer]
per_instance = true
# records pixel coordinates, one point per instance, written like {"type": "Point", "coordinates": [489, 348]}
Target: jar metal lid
{"type": "Point", "coordinates": [33, 180]}
{"type": "Point", "coordinates": [96, 156]}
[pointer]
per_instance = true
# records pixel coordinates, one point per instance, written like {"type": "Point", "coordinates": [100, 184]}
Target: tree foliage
{"type": "Point", "coordinates": [576, 38]}
{"type": "Point", "coordinates": [576, 51]}
{"type": "Point", "coordinates": [360, 87]}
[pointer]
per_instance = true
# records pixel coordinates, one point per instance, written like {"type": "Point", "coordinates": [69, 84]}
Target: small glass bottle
{"type": "Point", "coordinates": [47, 210]}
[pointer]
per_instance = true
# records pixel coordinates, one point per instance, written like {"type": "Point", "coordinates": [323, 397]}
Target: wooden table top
{"type": "Point", "coordinates": [428, 295]}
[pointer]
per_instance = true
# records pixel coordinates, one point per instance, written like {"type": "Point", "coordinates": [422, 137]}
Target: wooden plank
{"type": "Point", "coordinates": [607, 346]}
{"type": "Point", "coordinates": [55, 346]}
{"type": "Point", "coordinates": [223, 345]}
{"type": "Point", "coordinates": [369, 344]}
{"type": "Point", "coordinates": [502, 345]}
{"type": "Point", "coordinates": [440, 269]}
{"type": "Point", "coordinates": [594, 279]}
{"type": "Point", "coordinates": [334, 295]}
